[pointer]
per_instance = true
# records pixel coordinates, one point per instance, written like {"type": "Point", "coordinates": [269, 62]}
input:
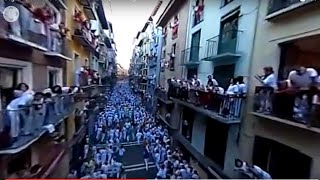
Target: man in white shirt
{"type": "Point", "coordinates": [303, 77]}
{"type": "Point", "coordinates": [195, 79]}
{"type": "Point", "coordinates": [24, 100]}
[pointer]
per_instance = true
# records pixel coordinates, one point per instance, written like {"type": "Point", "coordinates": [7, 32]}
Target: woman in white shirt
{"type": "Point", "coordinates": [269, 78]}
{"type": "Point", "coordinates": [233, 88]}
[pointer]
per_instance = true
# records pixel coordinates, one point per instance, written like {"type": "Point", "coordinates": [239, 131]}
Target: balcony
{"type": "Point", "coordinates": [223, 47]}
{"type": "Point", "coordinates": [152, 61]}
{"type": "Point", "coordinates": [84, 36]}
{"type": "Point", "coordinates": [277, 8]}
{"type": "Point", "coordinates": [190, 56]}
{"type": "Point", "coordinates": [162, 95]}
{"type": "Point", "coordinates": [298, 108]}
{"type": "Point", "coordinates": [34, 118]}
{"type": "Point", "coordinates": [221, 107]}
{"type": "Point", "coordinates": [30, 32]}
{"type": "Point", "coordinates": [87, 8]}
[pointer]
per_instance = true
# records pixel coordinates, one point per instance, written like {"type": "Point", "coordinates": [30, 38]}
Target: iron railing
{"type": "Point", "coordinates": [33, 32]}
{"type": "Point", "coordinates": [191, 55]}
{"type": "Point", "coordinates": [227, 42]}
{"type": "Point", "coordinates": [228, 107]}
{"type": "Point", "coordinates": [29, 120]}
{"type": "Point", "coordinates": [290, 104]}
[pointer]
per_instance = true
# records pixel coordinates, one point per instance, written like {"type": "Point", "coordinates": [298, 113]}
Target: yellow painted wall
{"type": "Point", "coordinates": [74, 46]}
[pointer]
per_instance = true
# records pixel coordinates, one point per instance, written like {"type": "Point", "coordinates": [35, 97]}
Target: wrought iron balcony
{"type": "Point", "coordinates": [190, 56]}
{"type": "Point", "coordinates": [31, 31]}
{"type": "Point", "coordinates": [223, 46]}
{"type": "Point", "coordinates": [295, 107]}
{"type": "Point", "coordinates": [33, 118]}
{"type": "Point", "coordinates": [221, 107]}
{"type": "Point", "coordinates": [84, 36]}
{"type": "Point", "coordinates": [152, 61]}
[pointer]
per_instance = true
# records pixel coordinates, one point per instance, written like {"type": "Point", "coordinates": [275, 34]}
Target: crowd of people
{"type": "Point", "coordinates": [236, 85]}
{"type": "Point", "coordinates": [125, 120]}
{"type": "Point", "coordinates": [22, 102]}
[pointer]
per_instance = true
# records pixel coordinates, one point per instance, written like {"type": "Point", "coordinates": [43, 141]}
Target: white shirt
{"type": "Point", "coordinates": [243, 88]}
{"type": "Point", "coordinates": [233, 89]}
{"type": "Point", "coordinates": [23, 100]}
{"type": "Point", "coordinates": [139, 134]}
{"type": "Point", "coordinates": [122, 151]}
{"type": "Point", "coordinates": [270, 81]}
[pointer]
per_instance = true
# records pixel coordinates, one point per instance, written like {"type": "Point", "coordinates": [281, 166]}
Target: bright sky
{"type": "Point", "coordinates": [127, 18]}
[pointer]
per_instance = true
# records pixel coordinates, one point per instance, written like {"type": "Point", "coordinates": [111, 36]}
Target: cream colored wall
{"type": "Point", "coordinates": [267, 53]}
{"type": "Point", "coordinates": [183, 13]}
{"type": "Point", "coordinates": [74, 46]}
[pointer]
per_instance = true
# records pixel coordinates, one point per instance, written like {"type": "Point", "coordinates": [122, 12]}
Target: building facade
{"type": "Point", "coordinates": [173, 22]}
{"type": "Point", "coordinates": [285, 39]}
{"type": "Point", "coordinates": [41, 56]}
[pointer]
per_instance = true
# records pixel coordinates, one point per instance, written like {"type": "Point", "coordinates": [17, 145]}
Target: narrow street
{"type": "Point", "coordinates": [126, 137]}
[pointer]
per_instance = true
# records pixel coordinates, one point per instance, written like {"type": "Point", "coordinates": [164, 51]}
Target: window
{"type": "Point", "coordinates": [163, 55]}
{"type": "Point", "coordinates": [174, 47]}
{"type": "Point", "coordinates": [175, 27]}
{"type": "Point", "coordinates": [77, 64]}
{"type": "Point", "coordinates": [276, 5]}
{"type": "Point", "coordinates": [225, 2]}
{"type": "Point", "coordinates": [9, 79]}
{"type": "Point", "coordinates": [198, 12]}
{"type": "Point", "coordinates": [52, 78]}
{"type": "Point", "coordinates": [164, 36]}
{"type": "Point", "coordinates": [228, 33]}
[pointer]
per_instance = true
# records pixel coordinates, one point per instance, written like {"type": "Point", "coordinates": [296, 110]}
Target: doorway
{"type": "Point", "coordinates": [223, 74]}
{"type": "Point", "coordinates": [216, 141]}
{"type": "Point", "coordinates": [281, 161]}
{"type": "Point", "coordinates": [191, 72]}
{"type": "Point", "coordinates": [9, 79]}
{"type": "Point", "coordinates": [52, 78]}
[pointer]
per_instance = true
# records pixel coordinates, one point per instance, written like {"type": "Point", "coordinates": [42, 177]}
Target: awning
{"type": "Point", "coordinates": [101, 15]}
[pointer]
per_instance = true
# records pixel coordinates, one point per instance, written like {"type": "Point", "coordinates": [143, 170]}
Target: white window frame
{"type": "Point", "coordinates": [26, 69]}
{"type": "Point", "coordinates": [59, 75]}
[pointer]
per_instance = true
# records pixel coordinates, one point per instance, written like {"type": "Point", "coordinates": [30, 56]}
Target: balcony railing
{"type": "Point", "coordinates": [292, 104]}
{"type": "Point", "coordinates": [32, 32]}
{"type": "Point", "coordinates": [191, 55]}
{"type": "Point", "coordinates": [162, 94]}
{"type": "Point", "coordinates": [226, 43]}
{"type": "Point", "coordinates": [152, 61]}
{"type": "Point", "coordinates": [84, 36]}
{"type": "Point", "coordinates": [27, 122]}
{"type": "Point", "coordinates": [223, 107]}
{"type": "Point", "coordinates": [276, 5]}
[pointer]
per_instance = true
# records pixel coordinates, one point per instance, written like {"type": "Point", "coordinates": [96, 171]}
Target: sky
{"type": "Point", "coordinates": [127, 18]}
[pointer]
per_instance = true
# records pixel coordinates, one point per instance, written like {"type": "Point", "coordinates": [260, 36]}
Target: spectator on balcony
{"type": "Point", "coordinates": [233, 88]}
{"type": "Point", "coordinates": [212, 81]}
{"type": "Point", "coordinates": [21, 88]}
{"type": "Point", "coordinates": [268, 79]}
{"type": "Point", "coordinates": [15, 115]}
{"type": "Point", "coordinates": [241, 85]}
{"type": "Point", "coordinates": [303, 77]}
{"type": "Point", "coordinates": [194, 79]}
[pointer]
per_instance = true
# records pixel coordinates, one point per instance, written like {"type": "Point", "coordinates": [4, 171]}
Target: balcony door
{"type": "Point", "coordinates": [223, 74]}
{"type": "Point", "coordinates": [195, 43]}
{"type": "Point", "coordinates": [228, 33]}
{"type": "Point", "coordinates": [281, 161]}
